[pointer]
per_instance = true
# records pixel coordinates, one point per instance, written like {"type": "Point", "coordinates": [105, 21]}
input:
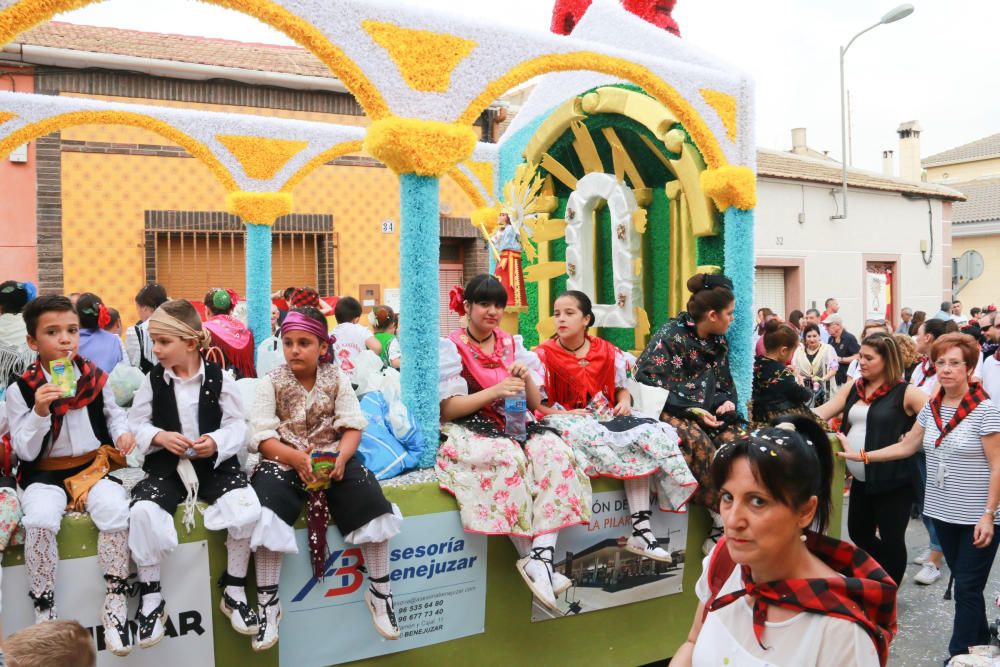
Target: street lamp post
{"type": "Point", "coordinates": [893, 15]}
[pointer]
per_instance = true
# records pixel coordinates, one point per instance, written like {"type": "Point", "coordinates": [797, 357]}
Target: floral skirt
{"type": "Point", "coordinates": [11, 530]}
{"type": "Point", "coordinates": [503, 488]}
{"type": "Point", "coordinates": [628, 448]}
{"type": "Point", "coordinates": [698, 444]}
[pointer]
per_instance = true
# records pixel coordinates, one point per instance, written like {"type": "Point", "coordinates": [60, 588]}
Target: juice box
{"type": "Point", "coordinates": [63, 375]}
{"type": "Point", "coordinates": [322, 465]}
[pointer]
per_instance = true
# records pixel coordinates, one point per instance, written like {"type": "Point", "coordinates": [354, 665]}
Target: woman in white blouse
{"type": "Point", "coordinates": [815, 361]}
{"type": "Point", "coordinates": [775, 590]}
{"type": "Point", "coordinates": [959, 430]}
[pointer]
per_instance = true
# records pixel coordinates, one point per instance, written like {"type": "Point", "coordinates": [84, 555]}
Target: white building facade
{"type": "Point", "coordinates": [893, 250]}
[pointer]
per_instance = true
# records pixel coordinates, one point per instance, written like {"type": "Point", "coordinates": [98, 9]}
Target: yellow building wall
{"type": "Point", "coordinates": [983, 290]}
{"type": "Point", "coordinates": [965, 171]}
{"type": "Point", "coordinates": [105, 197]}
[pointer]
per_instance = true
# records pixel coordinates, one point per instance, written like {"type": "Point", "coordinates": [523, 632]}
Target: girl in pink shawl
{"type": "Point", "coordinates": [229, 335]}
{"type": "Point", "coordinates": [529, 491]}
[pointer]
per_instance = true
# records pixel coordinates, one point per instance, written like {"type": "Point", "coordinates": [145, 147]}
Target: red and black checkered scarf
{"type": "Point", "coordinates": [859, 386]}
{"type": "Point", "coordinates": [865, 594]}
{"type": "Point", "coordinates": [928, 370]}
{"type": "Point", "coordinates": [90, 383]}
{"type": "Point", "coordinates": [973, 397]}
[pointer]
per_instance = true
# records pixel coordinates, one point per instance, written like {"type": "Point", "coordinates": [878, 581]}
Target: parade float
{"type": "Point", "coordinates": [629, 167]}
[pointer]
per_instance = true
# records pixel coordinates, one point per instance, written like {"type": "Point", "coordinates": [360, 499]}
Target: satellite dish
{"type": "Point", "coordinates": [965, 269]}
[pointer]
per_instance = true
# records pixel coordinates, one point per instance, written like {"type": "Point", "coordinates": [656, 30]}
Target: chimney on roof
{"type": "Point", "coordinates": [799, 146]}
{"type": "Point", "coordinates": [909, 150]}
{"type": "Point", "coordinates": [888, 168]}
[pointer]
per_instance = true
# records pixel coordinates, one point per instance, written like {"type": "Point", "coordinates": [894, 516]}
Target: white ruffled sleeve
{"type": "Point", "coordinates": [450, 380]}
{"type": "Point", "coordinates": [264, 420]}
{"type": "Point", "coordinates": [624, 363]}
{"type": "Point", "coordinates": [529, 359]}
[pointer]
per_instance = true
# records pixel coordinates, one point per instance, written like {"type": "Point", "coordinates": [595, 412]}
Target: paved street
{"type": "Point", "coordinates": [924, 617]}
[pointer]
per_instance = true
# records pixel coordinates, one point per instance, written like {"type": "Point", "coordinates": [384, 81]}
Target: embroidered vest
{"type": "Point", "coordinates": [308, 421]}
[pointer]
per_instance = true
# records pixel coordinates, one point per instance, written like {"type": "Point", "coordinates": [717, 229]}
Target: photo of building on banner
{"type": "Point", "coordinates": [185, 576]}
{"type": "Point", "coordinates": [603, 573]}
{"type": "Point", "coordinates": [438, 574]}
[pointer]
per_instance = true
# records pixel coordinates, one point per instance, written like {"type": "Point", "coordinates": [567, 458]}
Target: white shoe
{"type": "Point", "coordinates": [241, 615]}
{"type": "Point", "coordinates": [642, 542]}
{"type": "Point", "coordinates": [924, 556]}
{"type": "Point", "coordinates": [560, 583]}
{"type": "Point", "coordinates": [269, 617]}
{"type": "Point", "coordinates": [383, 615]}
{"type": "Point", "coordinates": [928, 574]}
{"type": "Point", "coordinates": [536, 570]}
{"type": "Point", "coordinates": [114, 616]}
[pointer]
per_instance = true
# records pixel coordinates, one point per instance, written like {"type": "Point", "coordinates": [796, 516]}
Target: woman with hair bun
{"type": "Point", "coordinates": [689, 357]}
{"type": "Point", "coordinates": [96, 344]}
{"type": "Point", "coordinates": [775, 389]}
{"type": "Point", "coordinates": [776, 590]}
{"type": "Point", "coordinates": [588, 404]}
{"type": "Point", "coordinates": [528, 488]}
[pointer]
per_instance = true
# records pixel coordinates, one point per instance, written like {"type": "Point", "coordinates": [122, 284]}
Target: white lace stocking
{"type": "Point", "coordinates": [41, 557]}
{"type": "Point", "coordinates": [112, 553]}
{"type": "Point", "coordinates": [637, 492]}
{"type": "Point", "coordinates": [377, 562]}
{"type": "Point", "coordinates": [148, 574]}
{"type": "Point", "coordinates": [267, 564]}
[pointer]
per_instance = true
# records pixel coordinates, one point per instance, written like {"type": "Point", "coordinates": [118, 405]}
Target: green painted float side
{"type": "Point", "coordinates": [632, 634]}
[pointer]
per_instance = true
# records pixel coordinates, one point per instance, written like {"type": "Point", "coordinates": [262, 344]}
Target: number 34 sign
{"type": "Point", "coordinates": [388, 226]}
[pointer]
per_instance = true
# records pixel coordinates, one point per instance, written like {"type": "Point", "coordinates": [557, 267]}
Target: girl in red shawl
{"type": "Point", "coordinates": [775, 590]}
{"type": "Point", "coordinates": [229, 335]}
{"type": "Point", "coordinates": [588, 404]}
{"type": "Point", "coordinates": [528, 490]}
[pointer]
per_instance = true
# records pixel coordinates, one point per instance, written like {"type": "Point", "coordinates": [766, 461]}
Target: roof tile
{"type": "Point", "coordinates": [980, 149]}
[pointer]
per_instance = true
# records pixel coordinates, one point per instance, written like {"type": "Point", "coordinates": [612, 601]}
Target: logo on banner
{"type": "Point", "coordinates": [349, 572]}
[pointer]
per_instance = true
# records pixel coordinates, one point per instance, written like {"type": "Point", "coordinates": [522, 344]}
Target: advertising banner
{"type": "Point", "coordinates": [603, 573]}
{"type": "Point", "coordinates": [187, 588]}
{"type": "Point", "coordinates": [438, 574]}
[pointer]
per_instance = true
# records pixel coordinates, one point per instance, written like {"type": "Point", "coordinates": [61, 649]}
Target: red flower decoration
{"type": "Point", "coordinates": [103, 316]}
{"type": "Point", "coordinates": [567, 13]}
{"type": "Point", "coordinates": [456, 300]}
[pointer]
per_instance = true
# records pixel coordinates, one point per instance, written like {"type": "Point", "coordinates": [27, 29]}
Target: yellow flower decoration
{"type": "Point", "coordinates": [730, 185]}
{"type": "Point", "coordinates": [259, 208]}
{"type": "Point", "coordinates": [485, 219]}
{"type": "Point", "coordinates": [130, 118]}
{"type": "Point", "coordinates": [422, 147]}
{"type": "Point", "coordinates": [261, 157]}
{"type": "Point", "coordinates": [425, 59]}
{"type": "Point", "coordinates": [28, 13]}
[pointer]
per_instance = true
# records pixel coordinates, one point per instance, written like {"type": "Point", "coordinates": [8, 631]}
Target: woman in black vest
{"type": "Point", "coordinates": [876, 411]}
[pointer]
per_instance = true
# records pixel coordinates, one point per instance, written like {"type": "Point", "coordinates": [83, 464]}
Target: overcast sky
{"type": "Point", "coordinates": [939, 66]}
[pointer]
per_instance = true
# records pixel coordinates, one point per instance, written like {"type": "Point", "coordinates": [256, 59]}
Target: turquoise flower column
{"type": "Point", "coordinates": [258, 267]}
{"type": "Point", "coordinates": [419, 254]}
{"type": "Point", "coordinates": [740, 269]}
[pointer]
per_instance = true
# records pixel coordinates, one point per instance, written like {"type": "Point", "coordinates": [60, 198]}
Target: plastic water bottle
{"type": "Point", "coordinates": [516, 410]}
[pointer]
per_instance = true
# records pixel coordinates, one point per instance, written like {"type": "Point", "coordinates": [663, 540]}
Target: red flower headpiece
{"type": "Point", "coordinates": [456, 300]}
{"type": "Point", "coordinates": [103, 316]}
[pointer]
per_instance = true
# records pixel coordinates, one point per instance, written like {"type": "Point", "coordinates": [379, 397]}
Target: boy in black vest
{"type": "Point", "coordinates": [63, 443]}
{"type": "Point", "coordinates": [189, 422]}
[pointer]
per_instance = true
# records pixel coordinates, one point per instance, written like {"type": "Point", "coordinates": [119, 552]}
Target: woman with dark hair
{"type": "Point", "coordinates": [689, 357]}
{"type": "Point", "coordinates": [815, 362]}
{"type": "Point", "coordinates": [229, 335]}
{"type": "Point", "coordinates": [795, 320]}
{"type": "Point", "coordinates": [775, 563]}
{"type": "Point", "coordinates": [919, 317]}
{"type": "Point", "coordinates": [15, 355]}
{"type": "Point", "coordinates": [138, 344]}
{"type": "Point", "coordinates": [96, 344]}
{"type": "Point", "coordinates": [924, 375]}
{"type": "Point", "coordinates": [959, 431]}
{"type": "Point", "coordinates": [775, 389]}
{"type": "Point", "coordinates": [879, 408]}
{"type": "Point", "coordinates": [527, 490]}
{"type": "Point", "coordinates": [588, 404]}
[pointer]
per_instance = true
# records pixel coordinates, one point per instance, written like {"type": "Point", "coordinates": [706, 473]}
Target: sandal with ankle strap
{"type": "Point", "coordinates": [384, 620]}
{"type": "Point", "coordinates": [148, 631]}
{"type": "Point", "coordinates": [244, 613]}
{"type": "Point", "coordinates": [643, 542]}
{"type": "Point", "coordinates": [261, 642]}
